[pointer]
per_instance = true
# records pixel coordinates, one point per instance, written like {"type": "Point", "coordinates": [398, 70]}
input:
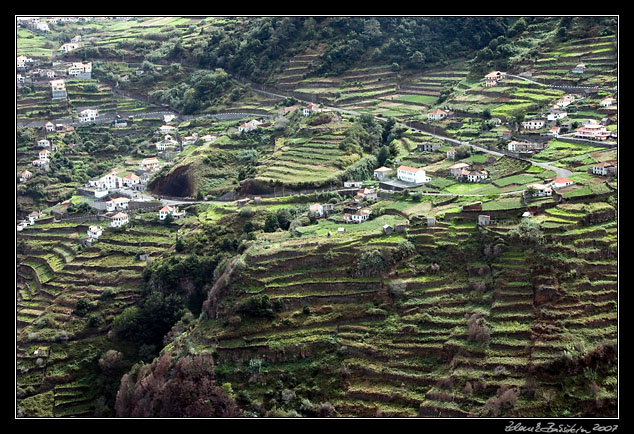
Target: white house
{"type": "Point", "coordinates": [190, 140]}
{"type": "Point", "coordinates": [607, 102]}
{"type": "Point", "coordinates": [80, 70]}
{"type": "Point", "coordinates": [560, 183]}
{"type": "Point", "coordinates": [533, 124]}
{"type": "Point", "coordinates": [88, 115]}
{"type": "Point", "coordinates": [411, 174]}
{"type": "Point", "coordinates": [381, 173]}
{"type": "Point", "coordinates": [167, 143]}
{"type": "Point", "coordinates": [456, 169]}
{"type": "Point", "coordinates": [49, 127]}
{"type": "Point", "coordinates": [579, 69]}
{"type": "Point", "coordinates": [516, 146]}
{"type": "Point", "coordinates": [368, 194]}
{"type": "Point", "coordinates": [150, 164]}
{"type": "Point", "coordinates": [112, 180]}
{"type": "Point", "coordinates": [42, 27]}
{"type": "Point", "coordinates": [167, 129]}
{"type": "Point", "coordinates": [555, 114]}
{"type": "Point", "coordinates": [44, 143]}
{"type": "Point", "coordinates": [130, 180]}
{"type": "Point", "coordinates": [540, 190]}
{"type": "Point", "coordinates": [45, 155]}
{"type": "Point", "coordinates": [352, 184]}
{"type": "Point", "coordinates": [119, 219]}
{"type": "Point", "coordinates": [58, 89]}
{"type": "Point", "coordinates": [554, 131]}
{"type": "Point", "coordinates": [484, 220]}
{"type": "Point", "coordinates": [208, 138]}
{"type": "Point", "coordinates": [25, 175]}
{"type": "Point", "coordinates": [436, 115]}
{"type": "Point", "coordinates": [68, 47]}
{"type": "Point", "coordinates": [451, 154]}
{"type": "Point", "coordinates": [310, 108]}
{"type": "Point", "coordinates": [477, 176]}
{"type": "Point", "coordinates": [357, 217]}
{"type": "Point", "coordinates": [249, 126]}
{"type": "Point", "coordinates": [566, 100]}
{"type": "Point", "coordinates": [94, 232]}
{"type": "Point", "coordinates": [317, 209]}
{"type": "Point", "coordinates": [492, 78]}
{"type": "Point", "coordinates": [117, 204]}
{"type": "Point", "coordinates": [603, 169]}
{"type": "Point", "coordinates": [170, 210]}
{"type": "Point", "coordinates": [592, 130]}
{"type": "Point", "coordinates": [19, 79]}
{"type": "Point", "coordinates": [35, 215]}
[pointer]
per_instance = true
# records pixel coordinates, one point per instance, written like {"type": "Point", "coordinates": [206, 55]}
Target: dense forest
{"type": "Point", "coordinates": [257, 47]}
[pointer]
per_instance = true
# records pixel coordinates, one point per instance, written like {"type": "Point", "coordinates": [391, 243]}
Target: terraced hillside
{"type": "Point", "coordinates": [55, 273]}
{"type": "Point", "coordinates": [315, 158]}
{"type": "Point", "coordinates": [473, 322]}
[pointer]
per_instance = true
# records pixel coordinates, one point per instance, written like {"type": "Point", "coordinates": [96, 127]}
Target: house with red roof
{"type": "Point", "coordinates": [561, 183]}
{"type": "Point", "coordinates": [357, 217]}
{"type": "Point", "coordinates": [436, 115]}
{"type": "Point", "coordinates": [592, 130]}
{"type": "Point", "coordinates": [381, 173]}
{"type": "Point", "coordinates": [119, 219]}
{"type": "Point", "coordinates": [310, 108]}
{"type": "Point", "coordinates": [492, 78]}
{"type": "Point", "coordinates": [170, 210]}
{"type": "Point", "coordinates": [411, 174]}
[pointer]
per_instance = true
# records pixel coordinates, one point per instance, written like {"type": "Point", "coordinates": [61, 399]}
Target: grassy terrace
{"type": "Point", "coordinates": [299, 160]}
{"type": "Point", "coordinates": [46, 310]}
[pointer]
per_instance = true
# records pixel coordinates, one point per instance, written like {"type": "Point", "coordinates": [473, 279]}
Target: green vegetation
{"type": "Point", "coordinates": [268, 309]}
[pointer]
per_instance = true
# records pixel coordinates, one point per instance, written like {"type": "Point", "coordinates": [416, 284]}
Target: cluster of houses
{"type": "Point", "coordinates": [545, 190]}
{"type": "Point", "coordinates": [33, 23]}
{"type": "Point", "coordinates": [29, 221]}
{"type": "Point", "coordinates": [43, 160]}
{"type": "Point", "coordinates": [28, 73]}
{"type": "Point", "coordinates": [112, 182]}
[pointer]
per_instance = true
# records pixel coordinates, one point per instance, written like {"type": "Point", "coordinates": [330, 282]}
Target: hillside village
{"type": "Point", "coordinates": [384, 241]}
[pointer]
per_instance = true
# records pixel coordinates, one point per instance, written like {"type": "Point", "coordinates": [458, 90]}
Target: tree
{"type": "Point", "coordinates": [383, 155]}
{"type": "Point", "coordinates": [463, 151]}
{"type": "Point", "coordinates": [528, 231]}
{"type": "Point", "coordinates": [170, 387]}
{"type": "Point", "coordinates": [271, 223]}
{"type": "Point", "coordinates": [284, 218]}
{"type": "Point", "coordinates": [111, 362]}
{"type": "Point", "coordinates": [82, 307]}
